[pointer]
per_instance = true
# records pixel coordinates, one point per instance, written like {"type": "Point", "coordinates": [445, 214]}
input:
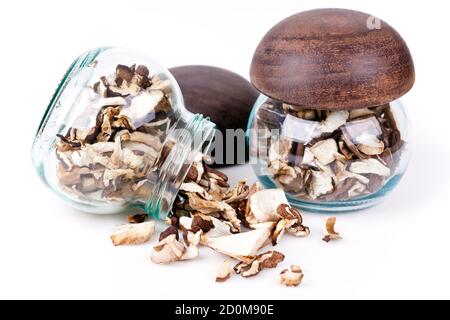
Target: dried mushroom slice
{"type": "Point", "coordinates": [200, 205]}
{"type": "Point", "coordinates": [224, 271]}
{"type": "Point", "coordinates": [370, 166]}
{"type": "Point", "coordinates": [279, 230]}
{"type": "Point", "coordinates": [263, 205]}
{"type": "Point", "coordinates": [191, 240]}
{"type": "Point", "coordinates": [192, 187]}
{"type": "Point", "coordinates": [279, 150]}
{"type": "Point", "coordinates": [324, 151]}
{"type": "Point", "coordinates": [331, 234]}
{"type": "Point", "coordinates": [211, 227]}
{"type": "Point", "coordinates": [137, 218]}
{"type": "Point", "coordinates": [360, 113]}
{"type": "Point", "coordinates": [269, 259]}
{"type": "Point", "coordinates": [161, 85]}
{"type": "Point", "coordinates": [321, 184]}
{"type": "Point", "coordinates": [141, 107]}
{"type": "Point", "coordinates": [170, 249]}
{"type": "Point", "coordinates": [134, 233]}
{"type": "Point", "coordinates": [241, 246]}
{"type": "Point", "coordinates": [294, 220]}
{"type": "Point", "coordinates": [239, 193]}
{"type": "Point", "coordinates": [333, 121]}
{"type": "Point", "coordinates": [369, 144]}
{"type": "Point", "coordinates": [203, 223]}
{"type": "Point", "coordinates": [170, 230]}
{"type": "Point", "coordinates": [291, 277]}
{"type": "Point", "coordinates": [342, 174]}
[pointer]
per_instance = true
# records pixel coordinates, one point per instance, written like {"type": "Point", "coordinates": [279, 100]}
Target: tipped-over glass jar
{"type": "Point", "coordinates": [116, 134]}
{"type": "Point", "coordinates": [340, 160]}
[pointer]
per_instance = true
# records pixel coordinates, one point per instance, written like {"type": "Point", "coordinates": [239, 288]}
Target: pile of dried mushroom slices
{"type": "Point", "coordinates": [130, 114]}
{"type": "Point", "coordinates": [235, 221]}
{"type": "Point", "coordinates": [329, 155]}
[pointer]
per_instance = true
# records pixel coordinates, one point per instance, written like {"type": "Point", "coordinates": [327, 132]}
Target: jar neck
{"type": "Point", "coordinates": [192, 134]}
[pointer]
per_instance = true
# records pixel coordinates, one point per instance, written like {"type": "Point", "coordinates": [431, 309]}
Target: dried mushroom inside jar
{"type": "Point", "coordinates": [116, 134]}
{"type": "Point", "coordinates": [328, 127]}
{"type": "Point", "coordinates": [113, 144]}
{"type": "Point", "coordinates": [325, 156]}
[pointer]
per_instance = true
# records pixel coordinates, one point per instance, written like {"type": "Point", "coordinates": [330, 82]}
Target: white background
{"type": "Point", "coordinates": [399, 249]}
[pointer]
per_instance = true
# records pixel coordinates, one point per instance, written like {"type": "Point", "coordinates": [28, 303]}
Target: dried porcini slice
{"type": "Point", "coordinates": [324, 151]}
{"type": "Point", "coordinates": [224, 271]}
{"type": "Point", "coordinates": [331, 234]}
{"type": "Point", "coordinates": [263, 205]}
{"type": "Point", "coordinates": [269, 259]}
{"type": "Point", "coordinates": [369, 144]}
{"type": "Point", "coordinates": [192, 187]}
{"type": "Point", "coordinates": [198, 204]}
{"type": "Point", "coordinates": [133, 233]}
{"type": "Point", "coordinates": [333, 121]}
{"type": "Point", "coordinates": [172, 220]}
{"type": "Point", "coordinates": [294, 220]}
{"type": "Point", "coordinates": [241, 246]}
{"type": "Point", "coordinates": [170, 230]}
{"type": "Point", "coordinates": [279, 230]}
{"type": "Point", "coordinates": [321, 184]}
{"type": "Point", "coordinates": [370, 166]}
{"type": "Point", "coordinates": [124, 72]}
{"type": "Point", "coordinates": [201, 223]}
{"type": "Point", "coordinates": [169, 249]}
{"type": "Point", "coordinates": [291, 277]}
{"type": "Point", "coordinates": [191, 241]}
{"type": "Point", "coordinates": [137, 218]}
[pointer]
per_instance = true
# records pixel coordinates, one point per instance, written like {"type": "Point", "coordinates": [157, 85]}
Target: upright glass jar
{"type": "Point", "coordinates": [328, 127]}
{"type": "Point", "coordinates": [116, 134]}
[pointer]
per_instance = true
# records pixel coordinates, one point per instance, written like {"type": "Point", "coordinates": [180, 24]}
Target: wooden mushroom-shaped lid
{"type": "Point", "coordinates": [224, 96]}
{"type": "Point", "coordinates": [332, 59]}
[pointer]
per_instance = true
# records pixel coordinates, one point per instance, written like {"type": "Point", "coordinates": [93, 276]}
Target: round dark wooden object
{"type": "Point", "coordinates": [332, 59]}
{"type": "Point", "coordinates": [224, 96]}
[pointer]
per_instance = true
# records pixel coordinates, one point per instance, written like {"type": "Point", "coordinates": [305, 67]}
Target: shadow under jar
{"type": "Point", "coordinates": [116, 134]}
{"type": "Point", "coordinates": [328, 127]}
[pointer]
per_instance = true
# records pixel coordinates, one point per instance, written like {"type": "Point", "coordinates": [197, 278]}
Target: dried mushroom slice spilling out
{"type": "Point", "coordinates": [266, 260]}
{"type": "Point", "coordinates": [291, 277]}
{"type": "Point", "coordinates": [327, 155]}
{"type": "Point", "coordinates": [133, 233]}
{"type": "Point", "coordinates": [110, 152]}
{"type": "Point", "coordinates": [224, 271]}
{"type": "Point", "coordinates": [330, 233]}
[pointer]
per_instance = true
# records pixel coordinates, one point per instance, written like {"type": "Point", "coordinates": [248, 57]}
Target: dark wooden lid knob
{"type": "Point", "coordinates": [332, 59]}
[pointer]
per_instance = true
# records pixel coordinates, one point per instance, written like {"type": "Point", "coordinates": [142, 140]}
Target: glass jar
{"type": "Point", "coordinates": [340, 160]}
{"type": "Point", "coordinates": [116, 134]}
{"type": "Point", "coordinates": [332, 134]}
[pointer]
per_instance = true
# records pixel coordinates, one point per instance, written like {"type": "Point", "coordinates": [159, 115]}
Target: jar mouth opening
{"type": "Point", "coordinates": [186, 141]}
